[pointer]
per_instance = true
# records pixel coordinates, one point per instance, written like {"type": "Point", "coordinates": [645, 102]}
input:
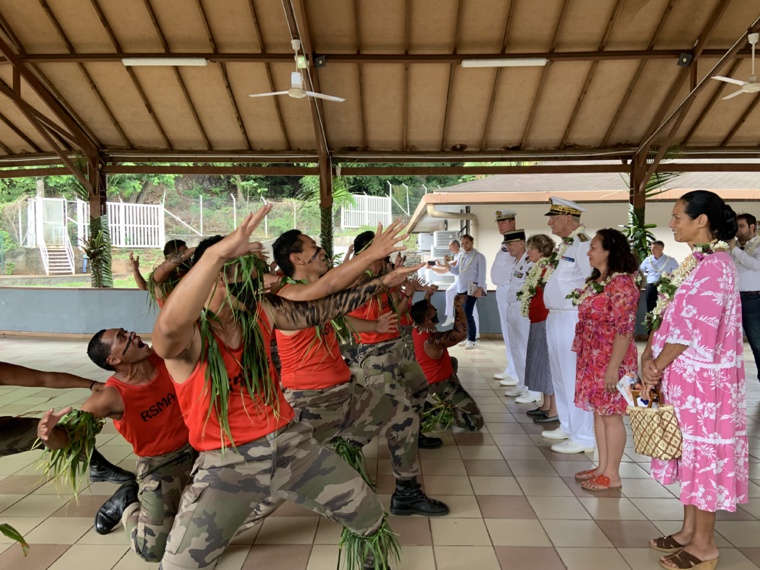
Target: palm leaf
{"type": "Point", "coordinates": [13, 534]}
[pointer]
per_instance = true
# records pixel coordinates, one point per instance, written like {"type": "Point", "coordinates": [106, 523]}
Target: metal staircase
{"type": "Point", "coordinates": [58, 260]}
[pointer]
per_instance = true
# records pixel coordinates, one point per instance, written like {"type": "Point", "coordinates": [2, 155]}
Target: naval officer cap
{"type": "Point", "coordinates": [560, 207]}
{"type": "Point", "coordinates": [514, 235]}
{"type": "Point", "coordinates": [504, 215]}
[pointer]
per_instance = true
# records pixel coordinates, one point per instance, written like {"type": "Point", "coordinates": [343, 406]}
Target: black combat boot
{"type": "Point", "coordinates": [109, 515]}
{"type": "Point", "coordinates": [102, 470]}
{"type": "Point", "coordinates": [408, 499]}
{"type": "Point", "coordinates": [425, 442]}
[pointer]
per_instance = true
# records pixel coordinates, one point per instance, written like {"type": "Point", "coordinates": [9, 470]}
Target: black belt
{"type": "Point", "coordinates": [749, 292]}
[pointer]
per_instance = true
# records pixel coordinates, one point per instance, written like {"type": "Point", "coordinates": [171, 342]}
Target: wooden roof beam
{"type": "Point", "coordinates": [301, 27]}
{"type": "Point", "coordinates": [738, 124]}
{"type": "Point", "coordinates": [225, 78]}
{"type": "Point", "coordinates": [90, 81]}
{"type": "Point", "coordinates": [263, 54]}
{"type": "Point", "coordinates": [140, 91]}
{"type": "Point", "coordinates": [544, 75]}
{"type": "Point", "coordinates": [363, 111]}
{"type": "Point", "coordinates": [497, 75]}
{"type": "Point", "coordinates": [351, 58]}
{"type": "Point", "coordinates": [590, 74]}
{"type": "Point", "coordinates": [708, 107]}
{"type": "Point", "coordinates": [634, 81]}
{"type": "Point", "coordinates": [177, 74]}
{"type": "Point", "coordinates": [452, 69]}
{"type": "Point", "coordinates": [20, 133]}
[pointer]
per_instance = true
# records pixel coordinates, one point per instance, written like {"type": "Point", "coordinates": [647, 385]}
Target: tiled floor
{"type": "Point", "coordinates": [514, 503]}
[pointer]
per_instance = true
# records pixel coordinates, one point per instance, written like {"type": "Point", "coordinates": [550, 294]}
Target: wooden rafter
{"type": "Point", "coordinates": [740, 121]}
{"type": "Point", "coordinates": [708, 107]}
{"type": "Point", "coordinates": [177, 74]}
{"type": "Point", "coordinates": [21, 134]}
{"type": "Point", "coordinates": [41, 85]}
{"type": "Point", "coordinates": [683, 72]}
{"type": "Point", "coordinates": [6, 148]}
{"type": "Point", "coordinates": [634, 81]}
{"type": "Point", "coordinates": [407, 40]}
{"type": "Point", "coordinates": [260, 39]}
{"type": "Point", "coordinates": [131, 73]}
{"type": "Point", "coordinates": [497, 75]}
{"type": "Point", "coordinates": [225, 77]}
{"type": "Point", "coordinates": [363, 112]}
{"type": "Point", "coordinates": [590, 75]}
{"type": "Point", "coordinates": [452, 68]}
{"type": "Point", "coordinates": [544, 75]}
{"type": "Point", "coordinates": [90, 81]}
{"type": "Point", "coordinates": [300, 24]}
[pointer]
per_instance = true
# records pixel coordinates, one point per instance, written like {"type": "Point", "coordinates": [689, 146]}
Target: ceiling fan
{"type": "Point", "coordinates": [751, 86]}
{"type": "Point", "coordinates": [296, 81]}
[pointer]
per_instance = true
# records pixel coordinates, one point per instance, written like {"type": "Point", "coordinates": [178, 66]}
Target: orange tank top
{"type": "Point", "coordinates": [249, 419]}
{"type": "Point", "coordinates": [311, 362]}
{"type": "Point", "coordinates": [436, 370]}
{"type": "Point", "coordinates": [371, 311]}
{"type": "Point", "coordinates": [152, 420]}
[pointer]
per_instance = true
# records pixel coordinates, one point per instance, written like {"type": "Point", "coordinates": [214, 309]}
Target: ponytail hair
{"type": "Point", "coordinates": [720, 216]}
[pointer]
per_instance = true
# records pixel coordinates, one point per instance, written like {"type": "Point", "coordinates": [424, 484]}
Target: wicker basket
{"type": "Point", "coordinates": [655, 430]}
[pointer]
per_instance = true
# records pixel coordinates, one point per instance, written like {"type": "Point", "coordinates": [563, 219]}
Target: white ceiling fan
{"type": "Point", "coordinates": [751, 86]}
{"type": "Point", "coordinates": [296, 81]}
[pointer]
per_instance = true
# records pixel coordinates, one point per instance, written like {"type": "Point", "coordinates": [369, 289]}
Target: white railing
{"type": "Point", "coordinates": [69, 253]}
{"type": "Point", "coordinates": [44, 253]}
{"type": "Point", "coordinates": [366, 211]}
{"type": "Point", "coordinates": [130, 225]}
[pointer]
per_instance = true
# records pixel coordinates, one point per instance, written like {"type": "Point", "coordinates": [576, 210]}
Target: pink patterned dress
{"type": "Point", "coordinates": [600, 318]}
{"type": "Point", "coordinates": [706, 386]}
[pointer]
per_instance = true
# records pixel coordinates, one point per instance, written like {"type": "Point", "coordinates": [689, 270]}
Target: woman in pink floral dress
{"type": "Point", "coordinates": [696, 355]}
{"type": "Point", "coordinates": [606, 351]}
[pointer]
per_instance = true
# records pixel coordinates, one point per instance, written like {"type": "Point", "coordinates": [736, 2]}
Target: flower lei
{"type": "Point", "coordinates": [591, 288]}
{"type": "Point", "coordinates": [670, 282]}
{"type": "Point", "coordinates": [536, 277]}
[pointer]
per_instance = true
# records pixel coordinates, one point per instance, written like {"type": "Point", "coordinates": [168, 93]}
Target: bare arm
{"type": "Point", "coordinates": [14, 375]}
{"type": "Point", "coordinates": [619, 347]}
{"type": "Point", "coordinates": [387, 322]}
{"type": "Point", "coordinates": [439, 341]}
{"type": "Point", "coordinates": [139, 279]}
{"type": "Point", "coordinates": [162, 273]}
{"type": "Point", "coordinates": [349, 271]}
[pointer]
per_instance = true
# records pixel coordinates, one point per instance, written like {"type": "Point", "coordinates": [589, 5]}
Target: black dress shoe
{"type": "Point", "coordinates": [425, 442]}
{"type": "Point", "coordinates": [109, 515]}
{"type": "Point", "coordinates": [537, 413]}
{"type": "Point", "coordinates": [408, 499]}
{"type": "Point", "coordinates": [102, 470]}
{"type": "Point", "coordinates": [546, 420]}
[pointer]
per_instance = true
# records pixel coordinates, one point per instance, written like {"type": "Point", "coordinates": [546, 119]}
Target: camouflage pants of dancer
{"type": "Point", "coordinates": [385, 368]}
{"type": "Point", "coordinates": [227, 484]}
{"type": "Point", "coordinates": [162, 479]}
{"type": "Point", "coordinates": [17, 435]}
{"type": "Point", "coordinates": [466, 412]}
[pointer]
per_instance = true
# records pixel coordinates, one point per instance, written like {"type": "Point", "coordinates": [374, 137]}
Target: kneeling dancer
{"type": "Point", "coordinates": [141, 401]}
{"type": "Point", "coordinates": [432, 350]}
{"type": "Point", "coordinates": [215, 334]}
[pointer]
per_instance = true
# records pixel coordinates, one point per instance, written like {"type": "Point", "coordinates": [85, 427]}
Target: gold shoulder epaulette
{"type": "Point", "coordinates": [582, 237]}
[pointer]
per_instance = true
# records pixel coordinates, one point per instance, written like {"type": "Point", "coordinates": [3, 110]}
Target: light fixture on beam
{"type": "Point", "coordinates": [506, 62]}
{"type": "Point", "coordinates": [164, 61]}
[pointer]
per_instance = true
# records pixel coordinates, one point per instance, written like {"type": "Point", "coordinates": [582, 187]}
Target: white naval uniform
{"type": "Point", "coordinates": [501, 272]}
{"type": "Point", "coordinates": [451, 292]}
{"type": "Point", "coordinates": [571, 273]}
{"type": "Point", "coordinates": [518, 325]}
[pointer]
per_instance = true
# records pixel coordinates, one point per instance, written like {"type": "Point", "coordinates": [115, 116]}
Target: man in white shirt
{"type": "Point", "coordinates": [573, 268]}
{"type": "Point", "coordinates": [653, 268]}
{"type": "Point", "coordinates": [745, 251]}
{"type": "Point", "coordinates": [451, 292]}
{"type": "Point", "coordinates": [471, 270]}
{"type": "Point", "coordinates": [518, 325]}
{"type": "Point", "coordinates": [501, 272]}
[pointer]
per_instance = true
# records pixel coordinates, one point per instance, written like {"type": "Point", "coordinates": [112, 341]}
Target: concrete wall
{"type": "Point", "coordinates": [74, 311]}
{"type": "Point", "coordinates": [530, 217]}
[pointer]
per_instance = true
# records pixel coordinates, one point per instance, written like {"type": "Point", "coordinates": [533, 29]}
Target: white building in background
{"type": "Point", "coordinates": [605, 196]}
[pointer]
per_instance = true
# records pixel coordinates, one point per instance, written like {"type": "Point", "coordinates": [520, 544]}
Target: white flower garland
{"type": "Point", "coordinates": [670, 282]}
{"type": "Point", "coordinates": [591, 288]}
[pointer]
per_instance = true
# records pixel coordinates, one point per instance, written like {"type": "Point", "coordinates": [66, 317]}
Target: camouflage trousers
{"type": "Point", "coordinates": [466, 412]}
{"type": "Point", "coordinates": [288, 463]}
{"type": "Point", "coordinates": [386, 368]}
{"type": "Point", "coordinates": [162, 479]}
{"type": "Point", "coordinates": [17, 435]}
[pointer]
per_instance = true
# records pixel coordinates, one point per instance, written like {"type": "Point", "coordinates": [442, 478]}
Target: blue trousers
{"type": "Point", "coordinates": [751, 322]}
{"type": "Point", "coordinates": [469, 307]}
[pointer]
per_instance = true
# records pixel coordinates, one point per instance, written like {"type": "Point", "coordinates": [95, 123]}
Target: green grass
{"type": "Point", "coordinates": [123, 283]}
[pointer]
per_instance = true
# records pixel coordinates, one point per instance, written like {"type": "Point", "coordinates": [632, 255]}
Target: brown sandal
{"type": "Point", "coordinates": [666, 544]}
{"type": "Point", "coordinates": [685, 561]}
